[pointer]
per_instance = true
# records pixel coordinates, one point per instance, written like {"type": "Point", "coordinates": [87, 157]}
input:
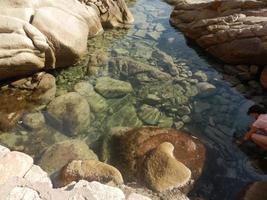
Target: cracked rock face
{"type": "Point", "coordinates": [233, 31]}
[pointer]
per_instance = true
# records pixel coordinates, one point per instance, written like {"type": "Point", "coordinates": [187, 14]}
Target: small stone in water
{"type": "Point", "coordinates": [179, 125]}
{"type": "Point", "coordinates": [186, 119]}
{"type": "Point", "coordinates": [201, 76]}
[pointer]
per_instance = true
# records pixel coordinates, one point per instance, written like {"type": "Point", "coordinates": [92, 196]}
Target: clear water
{"type": "Point", "coordinates": [214, 118]}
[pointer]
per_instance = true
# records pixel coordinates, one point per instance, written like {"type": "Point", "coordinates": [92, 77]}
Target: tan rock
{"type": "Point", "coordinates": [163, 172]}
{"type": "Point", "coordinates": [31, 41]}
{"type": "Point", "coordinates": [70, 113]}
{"type": "Point", "coordinates": [90, 170]}
{"type": "Point", "coordinates": [14, 164]}
{"type": "Point", "coordinates": [233, 31]}
{"type": "Point", "coordinates": [60, 154]}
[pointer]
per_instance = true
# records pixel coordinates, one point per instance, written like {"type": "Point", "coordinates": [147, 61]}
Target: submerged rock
{"type": "Point", "coordinates": [60, 154]}
{"type": "Point", "coordinates": [137, 71]}
{"type": "Point", "coordinates": [70, 113]}
{"type": "Point", "coordinates": [90, 170]}
{"type": "Point", "coordinates": [45, 89]}
{"type": "Point", "coordinates": [149, 115]}
{"type": "Point", "coordinates": [205, 88]}
{"type": "Point", "coordinates": [96, 101]}
{"type": "Point", "coordinates": [124, 114]}
{"type": "Point", "coordinates": [34, 121]}
{"type": "Point", "coordinates": [112, 88]}
{"type": "Point", "coordinates": [136, 145]}
{"type": "Point", "coordinates": [162, 171]}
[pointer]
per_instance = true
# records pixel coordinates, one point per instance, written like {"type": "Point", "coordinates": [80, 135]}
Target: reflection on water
{"type": "Point", "coordinates": [173, 86]}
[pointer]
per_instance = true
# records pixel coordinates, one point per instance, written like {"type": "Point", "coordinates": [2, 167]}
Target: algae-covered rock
{"type": "Point", "coordinates": [96, 101]}
{"type": "Point", "coordinates": [90, 170]}
{"type": "Point", "coordinates": [165, 122]}
{"type": "Point", "coordinates": [149, 114]}
{"type": "Point", "coordinates": [70, 113]}
{"type": "Point", "coordinates": [112, 88]}
{"type": "Point", "coordinates": [34, 120]}
{"type": "Point", "coordinates": [162, 171]}
{"type": "Point", "coordinates": [124, 114]}
{"type": "Point", "coordinates": [60, 154]}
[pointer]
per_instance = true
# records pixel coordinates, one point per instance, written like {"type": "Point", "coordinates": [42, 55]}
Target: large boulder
{"type": "Point", "coordinates": [31, 40]}
{"type": "Point", "coordinates": [70, 113]}
{"type": "Point", "coordinates": [135, 147]}
{"type": "Point", "coordinates": [58, 155]}
{"type": "Point", "coordinates": [23, 48]}
{"type": "Point", "coordinates": [233, 31]}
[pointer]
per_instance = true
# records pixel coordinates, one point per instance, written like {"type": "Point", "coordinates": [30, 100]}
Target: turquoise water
{"type": "Point", "coordinates": [164, 70]}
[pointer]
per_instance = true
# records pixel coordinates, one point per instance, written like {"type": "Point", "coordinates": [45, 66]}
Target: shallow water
{"type": "Point", "coordinates": [213, 117]}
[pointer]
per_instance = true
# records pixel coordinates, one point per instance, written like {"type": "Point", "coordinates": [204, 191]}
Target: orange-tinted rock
{"type": "Point", "coordinates": [135, 144]}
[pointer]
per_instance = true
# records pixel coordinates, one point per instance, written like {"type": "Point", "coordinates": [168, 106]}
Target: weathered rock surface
{"type": "Point", "coordinates": [134, 146]}
{"type": "Point", "coordinates": [233, 31]}
{"type": "Point", "coordinates": [70, 113]}
{"type": "Point", "coordinates": [60, 154]}
{"type": "Point", "coordinates": [22, 189]}
{"type": "Point", "coordinates": [112, 88]}
{"type": "Point", "coordinates": [36, 174]}
{"type": "Point", "coordinates": [31, 40]}
{"type": "Point", "coordinates": [162, 171]}
{"type": "Point", "coordinates": [36, 185]}
{"type": "Point", "coordinates": [14, 164]}
{"type": "Point", "coordinates": [34, 121]}
{"type": "Point", "coordinates": [90, 170]}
